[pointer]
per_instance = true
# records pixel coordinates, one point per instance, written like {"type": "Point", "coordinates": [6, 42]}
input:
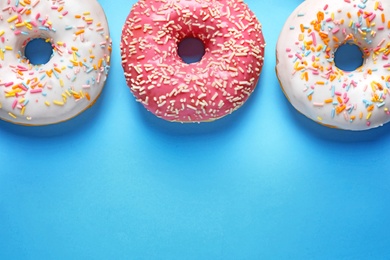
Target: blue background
{"type": "Point", "coordinates": [263, 183]}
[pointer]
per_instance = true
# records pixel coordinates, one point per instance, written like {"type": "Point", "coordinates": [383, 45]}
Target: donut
{"type": "Point", "coordinates": [207, 90]}
{"type": "Point", "coordinates": [73, 78]}
{"type": "Point", "coordinates": [310, 77]}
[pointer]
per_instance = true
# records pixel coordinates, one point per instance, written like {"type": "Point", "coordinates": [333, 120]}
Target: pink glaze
{"type": "Point", "coordinates": [204, 91]}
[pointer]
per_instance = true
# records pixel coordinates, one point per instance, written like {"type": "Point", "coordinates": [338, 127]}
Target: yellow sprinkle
{"type": "Point", "coordinates": [369, 116]}
{"type": "Point", "coordinates": [23, 110]}
{"type": "Point", "coordinates": [47, 103]}
{"type": "Point", "coordinates": [58, 103]}
{"type": "Point", "coordinates": [8, 48]}
{"type": "Point", "coordinates": [12, 115]}
{"type": "Point", "coordinates": [13, 18]}
{"type": "Point", "coordinates": [2, 32]}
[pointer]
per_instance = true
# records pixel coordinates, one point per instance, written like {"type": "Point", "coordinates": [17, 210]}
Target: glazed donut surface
{"type": "Point", "coordinates": [215, 86]}
{"type": "Point", "coordinates": [72, 79]}
{"type": "Point", "coordinates": [309, 77]}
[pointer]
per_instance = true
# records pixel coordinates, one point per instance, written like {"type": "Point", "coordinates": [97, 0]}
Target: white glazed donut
{"type": "Point", "coordinates": [355, 100]}
{"type": "Point", "coordinates": [73, 78]}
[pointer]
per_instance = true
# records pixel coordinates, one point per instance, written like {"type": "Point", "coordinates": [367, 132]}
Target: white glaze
{"type": "Point", "coordinates": [69, 89]}
{"type": "Point", "coordinates": [364, 92]}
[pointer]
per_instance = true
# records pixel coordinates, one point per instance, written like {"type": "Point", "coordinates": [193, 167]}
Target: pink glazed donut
{"type": "Point", "coordinates": [215, 86]}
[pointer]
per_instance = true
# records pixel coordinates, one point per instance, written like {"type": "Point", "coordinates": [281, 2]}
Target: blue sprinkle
{"type": "Point", "coordinates": [381, 104]}
{"type": "Point", "coordinates": [362, 6]}
{"type": "Point", "coordinates": [56, 74]}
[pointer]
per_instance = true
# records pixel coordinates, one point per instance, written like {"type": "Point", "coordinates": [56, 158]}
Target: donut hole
{"type": "Point", "coordinates": [191, 50]}
{"type": "Point", "coordinates": [348, 57]}
{"type": "Point", "coordinates": [38, 51]}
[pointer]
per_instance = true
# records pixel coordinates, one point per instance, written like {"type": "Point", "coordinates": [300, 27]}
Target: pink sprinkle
{"type": "Point", "coordinates": [313, 35]}
{"type": "Point", "coordinates": [380, 44]}
{"type": "Point", "coordinates": [380, 28]}
{"type": "Point", "coordinates": [98, 78]}
{"type": "Point", "coordinates": [14, 103]}
{"type": "Point", "coordinates": [21, 68]}
{"type": "Point", "coordinates": [368, 123]}
{"type": "Point", "coordinates": [37, 16]}
{"type": "Point", "coordinates": [337, 93]}
{"type": "Point", "coordinates": [65, 13]}
{"type": "Point", "coordinates": [325, 7]}
{"type": "Point", "coordinates": [386, 66]}
{"type": "Point", "coordinates": [35, 91]}
{"type": "Point", "coordinates": [298, 56]}
{"type": "Point", "coordinates": [288, 50]}
{"type": "Point", "coordinates": [22, 87]}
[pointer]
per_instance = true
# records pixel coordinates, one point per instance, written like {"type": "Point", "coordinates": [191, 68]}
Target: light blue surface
{"type": "Point", "coordinates": [262, 183]}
